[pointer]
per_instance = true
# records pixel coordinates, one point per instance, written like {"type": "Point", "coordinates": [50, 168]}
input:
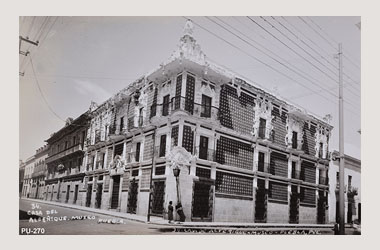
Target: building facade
{"type": "Point", "coordinates": [27, 182]}
{"type": "Point", "coordinates": [21, 173]}
{"type": "Point", "coordinates": [192, 132]}
{"type": "Point", "coordinates": [352, 190]}
{"type": "Point", "coordinates": [37, 190]}
{"type": "Point", "coordinates": [64, 162]}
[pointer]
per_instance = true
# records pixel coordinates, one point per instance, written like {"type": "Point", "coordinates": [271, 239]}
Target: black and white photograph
{"type": "Point", "coordinates": [184, 125]}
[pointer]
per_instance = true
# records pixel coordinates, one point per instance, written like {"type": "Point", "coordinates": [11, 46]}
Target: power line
{"type": "Point", "coordinates": [285, 65]}
{"type": "Point", "coordinates": [274, 69]}
{"type": "Point", "coordinates": [314, 51]}
{"type": "Point", "coordinates": [43, 96]}
{"type": "Point", "coordinates": [316, 45]}
{"type": "Point", "coordinates": [332, 45]}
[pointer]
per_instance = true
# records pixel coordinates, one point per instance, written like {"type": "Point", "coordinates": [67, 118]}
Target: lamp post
{"type": "Point", "coordinates": [176, 172]}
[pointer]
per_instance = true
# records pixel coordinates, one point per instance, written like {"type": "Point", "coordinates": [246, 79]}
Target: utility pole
{"type": "Point", "coordinates": [341, 146]}
{"type": "Point", "coordinates": [25, 53]}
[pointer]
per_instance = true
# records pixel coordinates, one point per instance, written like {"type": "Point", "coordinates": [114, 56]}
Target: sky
{"type": "Point", "coordinates": [84, 59]}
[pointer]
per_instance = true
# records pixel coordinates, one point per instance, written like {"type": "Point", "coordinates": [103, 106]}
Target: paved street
{"type": "Point", "coordinates": [86, 226]}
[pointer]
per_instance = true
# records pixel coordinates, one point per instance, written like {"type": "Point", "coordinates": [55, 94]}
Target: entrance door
{"type": "Point", "coordinates": [203, 147]}
{"type": "Point", "coordinates": [115, 192]}
{"type": "Point", "coordinates": [294, 206]}
{"type": "Point", "coordinates": [261, 202]}
{"type": "Point", "coordinates": [89, 195]}
{"type": "Point", "coordinates": [132, 197]}
{"type": "Point", "coordinates": [67, 193]}
{"type": "Point", "coordinates": [98, 197]}
{"type": "Point", "coordinates": [158, 197]}
{"type": "Point", "coordinates": [202, 207]}
{"type": "Point", "coordinates": [321, 214]}
{"type": "Point", "coordinates": [76, 194]}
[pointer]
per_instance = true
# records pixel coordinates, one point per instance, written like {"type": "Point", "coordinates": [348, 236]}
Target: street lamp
{"type": "Point", "coordinates": [176, 172]}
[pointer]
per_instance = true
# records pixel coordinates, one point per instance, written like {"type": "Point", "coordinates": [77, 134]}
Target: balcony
{"type": "Point", "coordinates": [64, 153]}
{"type": "Point", "coordinates": [179, 103]}
{"type": "Point", "coordinates": [205, 154]}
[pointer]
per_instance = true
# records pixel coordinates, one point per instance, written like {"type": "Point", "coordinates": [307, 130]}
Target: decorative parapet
{"type": "Point", "coordinates": [263, 109]}
{"type": "Point", "coordinates": [294, 125]}
{"type": "Point", "coordinates": [322, 136]}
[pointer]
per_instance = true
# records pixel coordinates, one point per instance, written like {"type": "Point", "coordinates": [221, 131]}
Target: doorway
{"type": "Point", "coordinates": [261, 202]}
{"type": "Point", "coordinates": [98, 197]}
{"type": "Point", "coordinates": [115, 192]}
{"type": "Point", "coordinates": [132, 196]}
{"type": "Point", "coordinates": [202, 202]}
{"type": "Point", "coordinates": [321, 211]}
{"type": "Point", "coordinates": [158, 197]}
{"type": "Point", "coordinates": [294, 206]}
{"type": "Point", "coordinates": [89, 195]}
{"type": "Point", "coordinates": [67, 193]}
{"type": "Point", "coordinates": [76, 194]}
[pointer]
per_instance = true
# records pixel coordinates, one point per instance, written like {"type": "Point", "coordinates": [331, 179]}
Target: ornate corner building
{"type": "Point", "coordinates": [252, 157]}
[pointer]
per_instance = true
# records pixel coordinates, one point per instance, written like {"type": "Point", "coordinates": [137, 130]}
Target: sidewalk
{"type": "Point", "coordinates": [194, 225]}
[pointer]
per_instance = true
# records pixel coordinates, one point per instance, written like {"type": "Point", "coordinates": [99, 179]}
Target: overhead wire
{"type": "Point", "coordinates": [256, 59]}
{"type": "Point", "coordinates": [283, 64]}
{"type": "Point", "coordinates": [335, 73]}
{"type": "Point", "coordinates": [319, 47]}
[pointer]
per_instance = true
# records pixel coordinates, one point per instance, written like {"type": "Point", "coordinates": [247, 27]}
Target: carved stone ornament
{"type": "Point", "coordinates": [294, 125]}
{"type": "Point", "coordinates": [117, 162]}
{"type": "Point", "coordinates": [262, 109]}
{"type": "Point", "coordinates": [179, 156]}
{"type": "Point", "coordinates": [322, 135]}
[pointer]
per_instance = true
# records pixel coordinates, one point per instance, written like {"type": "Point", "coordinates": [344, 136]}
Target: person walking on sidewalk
{"type": "Point", "coordinates": [170, 212]}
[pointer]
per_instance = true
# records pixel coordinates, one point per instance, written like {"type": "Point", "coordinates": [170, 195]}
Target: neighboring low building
{"type": "Point", "coordinates": [21, 173]}
{"type": "Point", "coordinates": [39, 173]}
{"type": "Point", "coordinates": [27, 185]}
{"type": "Point", "coordinates": [352, 198]}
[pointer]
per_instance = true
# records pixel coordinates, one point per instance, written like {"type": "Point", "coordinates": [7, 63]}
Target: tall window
{"type": "Point", "coordinates": [206, 106]}
{"type": "Point", "coordinates": [165, 105]}
{"type": "Point", "coordinates": [294, 140]}
{"type": "Point", "coordinates": [262, 126]}
{"type": "Point", "coordinates": [137, 156]}
{"type": "Point", "coordinates": [203, 147]}
{"type": "Point", "coordinates": [162, 146]}
{"type": "Point", "coordinates": [294, 174]}
{"type": "Point", "coordinates": [121, 124]}
{"type": "Point", "coordinates": [320, 150]}
{"type": "Point", "coordinates": [141, 117]}
{"type": "Point", "coordinates": [74, 140]}
{"type": "Point", "coordinates": [261, 162]}
{"type": "Point", "coordinates": [349, 182]}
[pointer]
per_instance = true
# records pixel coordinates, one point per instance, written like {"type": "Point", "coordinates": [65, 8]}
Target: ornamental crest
{"type": "Point", "coordinates": [322, 136]}
{"type": "Point", "coordinates": [179, 156]}
{"type": "Point", "coordinates": [117, 162]}
{"type": "Point", "coordinates": [294, 125]}
{"type": "Point", "coordinates": [262, 109]}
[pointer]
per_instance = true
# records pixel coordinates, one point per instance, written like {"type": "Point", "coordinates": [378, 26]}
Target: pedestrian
{"type": "Point", "coordinates": [170, 212]}
{"type": "Point", "coordinates": [179, 210]}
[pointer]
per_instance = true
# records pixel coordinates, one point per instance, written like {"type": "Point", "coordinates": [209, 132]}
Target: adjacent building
{"type": "Point", "coordinates": [352, 190]}
{"type": "Point", "coordinates": [27, 182]}
{"type": "Point", "coordinates": [37, 190]}
{"type": "Point", "coordinates": [21, 173]}
{"type": "Point", "coordinates": [64, 177]}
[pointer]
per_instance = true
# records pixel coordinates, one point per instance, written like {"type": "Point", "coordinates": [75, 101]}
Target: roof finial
{"type": "Point", "coordinates": [189, 28]}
